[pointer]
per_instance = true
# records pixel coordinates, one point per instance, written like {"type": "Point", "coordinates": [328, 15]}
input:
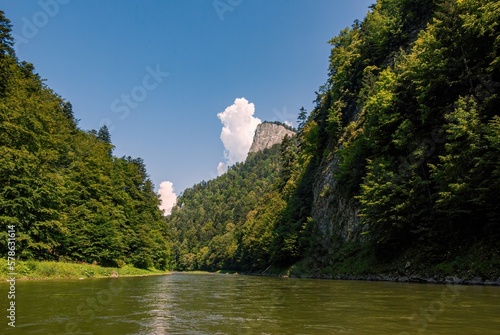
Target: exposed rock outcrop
{"type": "Point", "coordinates": [335, 213]}
{"type": "Point", "coordinates": [268, 134]}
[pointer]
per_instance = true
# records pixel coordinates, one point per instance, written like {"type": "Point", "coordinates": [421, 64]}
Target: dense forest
{"type": "Point", "coordinates": [61, 187]}
{"type": "Point", "coordinates": [212, 226]}
{"type": "Point", "coordinates": [395, 170]}
{"type": "Point", "coordinates": [409, 121]}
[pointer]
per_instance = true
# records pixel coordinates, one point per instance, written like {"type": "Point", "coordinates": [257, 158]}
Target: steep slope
{"type": "Point", "coordinates": [408, 176]}
{"type": "Point", "coordinates": [210, 220]}
{"type": "Point", "coordinates": [396, 169]}
{"type": "Point", "coordinates": [61, 190]}
{"type": "Point", "coordinates": [217, 224]}
{"type": "Point", "coordinates": [268, 134]}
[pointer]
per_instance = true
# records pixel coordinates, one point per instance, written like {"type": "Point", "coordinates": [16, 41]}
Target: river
{"type": "Point", "coordinates": [232, 304]}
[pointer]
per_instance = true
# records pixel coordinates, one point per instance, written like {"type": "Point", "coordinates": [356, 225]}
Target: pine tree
{"type": "Point", "coordinates": [6, 39]}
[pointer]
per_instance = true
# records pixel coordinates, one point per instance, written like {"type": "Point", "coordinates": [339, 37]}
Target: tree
{"type": "Point", "coordinates": [68, 197]}
{"type": "Point", "coordinates": [67, 109]}
{"type": "Point", "coordinates": [103, 134]}
{"type": "Point", "coordinates": [6, 39]}
{"type": "Point", "coordinates": [302, 119]}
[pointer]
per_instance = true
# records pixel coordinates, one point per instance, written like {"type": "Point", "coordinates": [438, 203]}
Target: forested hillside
{"type": "Point", "coordinates": [213, 225]}
{"type": "Point", "coordinates": [395, 170]}
{"type": "Point", "coordinates": [405, 135]}
{"type": "Point", "coordinates": [412, 120]}
{"type": "Point", "coordinates": [61, 188]}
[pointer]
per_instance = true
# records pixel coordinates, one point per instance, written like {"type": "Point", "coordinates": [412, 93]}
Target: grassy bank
{"type": "Point", "coordinates": [31, 270]}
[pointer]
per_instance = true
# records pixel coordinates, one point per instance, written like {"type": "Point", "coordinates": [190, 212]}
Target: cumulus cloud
{"type": "Point", "coordinates": [238, 131]}
{"type": "Point", "coordinates": [167, 196]}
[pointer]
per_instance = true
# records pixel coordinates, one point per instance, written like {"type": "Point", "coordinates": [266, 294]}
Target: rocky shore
{"type": "Point", "coordinates": [456, 280]}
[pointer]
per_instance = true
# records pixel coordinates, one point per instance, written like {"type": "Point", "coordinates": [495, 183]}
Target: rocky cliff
{"type": "Point", "coordinates": [268, 134]}
{"type": "Point", "coordinates": [334, 212]}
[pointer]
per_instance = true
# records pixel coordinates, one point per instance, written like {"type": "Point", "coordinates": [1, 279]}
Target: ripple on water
{"type": "Point", "coordinates": [225, 304]}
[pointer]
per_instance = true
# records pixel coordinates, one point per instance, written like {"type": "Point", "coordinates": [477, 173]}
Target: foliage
{"type": "Point", "coordinates": [219, 224]}
{"type": "Point", "coordinates": [409, 117]}
{"type": "Point", "coordinates": [29, 270]}
{"type": "Point", "coordinates": [60, 186]}
{"type": "Point", "coordinates": [398, 88]}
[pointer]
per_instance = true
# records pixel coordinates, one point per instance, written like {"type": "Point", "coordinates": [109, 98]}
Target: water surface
{"type": "Point", "coordinates": [232, 304]}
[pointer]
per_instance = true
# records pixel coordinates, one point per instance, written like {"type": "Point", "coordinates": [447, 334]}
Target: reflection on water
{"type": "Point", "coordinates": [232, 304]}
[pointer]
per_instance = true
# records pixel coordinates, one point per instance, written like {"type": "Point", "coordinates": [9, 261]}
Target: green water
{"type": "Point", "coordinates": [232, 304]}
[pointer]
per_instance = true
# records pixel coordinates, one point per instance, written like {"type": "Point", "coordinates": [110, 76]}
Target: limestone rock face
{"type": "Point", "coordinates": [334, 212]}
{"type": "Point", "coordinates": [268, 134]}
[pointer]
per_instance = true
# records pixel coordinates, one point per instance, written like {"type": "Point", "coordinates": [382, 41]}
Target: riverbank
{"type": "Point", "coordinates": [420, 279]}
{"type": "Point", "coordinates": [38, 270]}
{"type": "Point", "coordinates": [475, 264]}
{"type": "Point", "coordinates": [388, 273]}
{"type": "Point", "coordinates": [455, 280]}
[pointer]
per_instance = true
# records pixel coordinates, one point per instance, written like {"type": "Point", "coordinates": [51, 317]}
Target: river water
{"type": "Point", "coordinates": [232, 304]}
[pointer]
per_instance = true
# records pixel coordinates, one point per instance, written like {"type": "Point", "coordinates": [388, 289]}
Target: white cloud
{"type": "Point", "coordinates": [237, 133]}
{"type": "Point", "coordinates": [167, 196]}
{"type": "Point", "coordinates": [221, 168]}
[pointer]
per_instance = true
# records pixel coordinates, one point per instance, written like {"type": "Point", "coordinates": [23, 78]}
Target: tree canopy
{"type": "Point", "coordinates": [67, 196]}
{"type": "Point", "coordinates": [409, 119]}
{"type": "Point", "coordinates": [406, 130]}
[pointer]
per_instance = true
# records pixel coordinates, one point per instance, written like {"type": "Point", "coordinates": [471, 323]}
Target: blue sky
{"type": "Point", "coordinates": [94, 53]}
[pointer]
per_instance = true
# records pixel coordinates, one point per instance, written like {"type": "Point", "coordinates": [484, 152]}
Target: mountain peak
{"type": "Point", "coordinates": [268, 134]}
